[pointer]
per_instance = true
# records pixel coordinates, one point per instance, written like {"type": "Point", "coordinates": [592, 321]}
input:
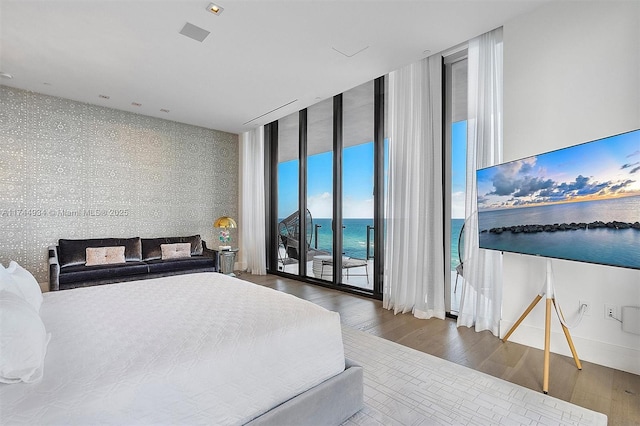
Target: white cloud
{"type": "Point", "coordinates": [457, 205]}
{"type": "Point", "coordinates": [357, 209]}
{"type": "Point", "coordinates": [321, 206]}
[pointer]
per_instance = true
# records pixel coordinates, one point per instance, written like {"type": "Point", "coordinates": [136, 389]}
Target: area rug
{"type": "Point", "coordinates": [403, 386]}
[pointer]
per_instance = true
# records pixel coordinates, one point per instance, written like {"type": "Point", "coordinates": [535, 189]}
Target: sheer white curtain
{"type": "Point", "coordinates": [252, 207]}
{"type": "Point", "coordinates": [481, 299]}
{"type": "Point", "coordinates": [414, 265]}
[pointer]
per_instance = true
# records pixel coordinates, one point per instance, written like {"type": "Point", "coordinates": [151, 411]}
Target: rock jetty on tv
{"type": "Point", "coordinates": [530, 229]}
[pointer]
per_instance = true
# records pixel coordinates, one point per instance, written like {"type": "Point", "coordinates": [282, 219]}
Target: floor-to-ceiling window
{"type": "Point", "coordinates": [331, 186]}
{"type": "Point", "coordinates": [320, 179]}
{"type": "Point", "coordinates": [456, 149]}
{"type": "Point", "coordinates": [329, 162]}
{"type": "Point", "coordinates": [358, 152]}
{"type": "Point", "coordinates": [288, 170]}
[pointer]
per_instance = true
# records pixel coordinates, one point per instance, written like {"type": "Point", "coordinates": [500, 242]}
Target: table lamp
{"type": "Point", "coordinates": [225, 223]}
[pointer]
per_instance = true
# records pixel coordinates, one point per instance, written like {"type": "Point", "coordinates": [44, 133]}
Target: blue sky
{"type": "Point", "coordinates": [357, 180]}
{"type": "Point", "coordinates": [606, 168]}
{"type": "Point", "coordinates": [357, 184]}
{"type": "Point", "coordinates": [287, 188]}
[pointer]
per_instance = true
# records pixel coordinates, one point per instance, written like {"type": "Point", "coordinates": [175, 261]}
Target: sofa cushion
{"type": "Point", "coordinates": [151, 249]}
{"type": "Point", "coordinates": [194, 262]}
{"type": "Point", "coordinates": [104, 255]}
{"type": "Point", "coordinates": [74, 252]}
{"type": "Point", "coordinates": [78, 273]}
{"type": "Point", "coordinates": [175, 251]}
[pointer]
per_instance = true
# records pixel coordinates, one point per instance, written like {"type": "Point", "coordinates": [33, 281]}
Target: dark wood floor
{"type": "Point", "coordinates": [612, 392]}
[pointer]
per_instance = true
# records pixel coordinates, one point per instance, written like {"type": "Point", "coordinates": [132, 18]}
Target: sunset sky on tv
{"type": "Point", "coordinates": [605, 168]}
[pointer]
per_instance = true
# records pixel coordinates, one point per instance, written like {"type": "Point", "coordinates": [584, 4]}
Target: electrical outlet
{"type": "Point", "coordinates": [610, 312]}
{"type": "Point", "coordinates": [587, 307]}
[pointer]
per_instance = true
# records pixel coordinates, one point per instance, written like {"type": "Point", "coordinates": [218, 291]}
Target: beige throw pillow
{"type": "Point", "coordinates": [105, 255]}
{"type": "Point", "coordinates": [175, 251]}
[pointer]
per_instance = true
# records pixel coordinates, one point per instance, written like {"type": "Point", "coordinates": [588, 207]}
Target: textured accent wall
{"type": "Point", "coordinates": [74, 170]}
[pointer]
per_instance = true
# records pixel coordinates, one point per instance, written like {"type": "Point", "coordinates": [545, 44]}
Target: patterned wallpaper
{"type": "Point", "coordinates": [74, 170]}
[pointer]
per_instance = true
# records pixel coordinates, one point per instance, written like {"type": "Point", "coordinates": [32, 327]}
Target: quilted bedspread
{"type": "Point", "coordinates": [189, 349]}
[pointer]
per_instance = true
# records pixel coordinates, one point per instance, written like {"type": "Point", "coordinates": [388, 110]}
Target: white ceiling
{"type": "Point", "coordinates": [259, 56]}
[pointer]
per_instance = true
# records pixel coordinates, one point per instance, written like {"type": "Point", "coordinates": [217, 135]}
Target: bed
{"type": "Point", "coordinates": [190, 349]}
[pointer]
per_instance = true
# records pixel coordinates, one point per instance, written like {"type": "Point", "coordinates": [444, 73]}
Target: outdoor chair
{"type": "Point", "coordinates": [460, 267]}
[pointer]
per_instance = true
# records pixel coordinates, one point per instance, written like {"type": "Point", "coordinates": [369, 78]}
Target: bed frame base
{"type": "Point", "coordinates": [329, 403]}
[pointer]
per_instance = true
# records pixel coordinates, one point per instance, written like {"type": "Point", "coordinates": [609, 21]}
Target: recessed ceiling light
{"type": "Point", "coordinates": [215, 9]}
{"type": "Point", "coordinates": [104, 96]}
{"type": "Point", "coordinates": [6, 75]}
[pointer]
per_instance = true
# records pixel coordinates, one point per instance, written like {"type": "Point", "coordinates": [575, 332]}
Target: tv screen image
{"type": "Point", "coordinates": [578, 203]}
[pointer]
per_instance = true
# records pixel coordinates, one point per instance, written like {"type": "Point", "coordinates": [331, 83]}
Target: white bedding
{"type": "Point", "coordinates": [191, 349]}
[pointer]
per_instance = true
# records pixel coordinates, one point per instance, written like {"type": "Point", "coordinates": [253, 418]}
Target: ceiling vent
{"type": "Point", "coordinates": [269, 112]}
{"type": "Point", "coordinates": [194, 32]}
{"type": "Point", "coordinates": [350, 53]}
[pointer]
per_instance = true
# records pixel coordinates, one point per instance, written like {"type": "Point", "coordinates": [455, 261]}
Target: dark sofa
{"type": "Point", "coordinates": [143, 259]}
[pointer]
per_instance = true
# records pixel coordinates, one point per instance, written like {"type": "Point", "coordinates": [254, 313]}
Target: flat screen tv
{"type": "Point", "coordinates": [580, 203]}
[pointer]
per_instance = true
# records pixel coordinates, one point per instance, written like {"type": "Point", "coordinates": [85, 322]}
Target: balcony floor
{"type": "Point", "coordinates": [357, 277]}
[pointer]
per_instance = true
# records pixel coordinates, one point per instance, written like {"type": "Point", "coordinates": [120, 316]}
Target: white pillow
{"type": "Point", "coordinates": [104, 255]}
{"type": "Point", "coordinates": [23, 340]}
{"type": "Point", "coordinates": [8, 283]}
{"type": "Point", "coordinates": [175, 251]}
{"type": "Point", "coordinates": [27, 284]}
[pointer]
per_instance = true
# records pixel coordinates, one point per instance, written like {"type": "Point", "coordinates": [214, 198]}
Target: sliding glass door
{"type": "Point", "coordinates": [326, 181]}
{"type": "Point", "coordinates": [320, 188]}
{"type": "Point", "coordinates": [456, 149]}
{"type": "Point", "coordinates": [357, 186]}
{"type": "Point", "coordinates": [287, 240]}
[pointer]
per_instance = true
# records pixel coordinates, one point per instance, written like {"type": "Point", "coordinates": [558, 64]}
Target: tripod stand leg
{"type": "Point", "coordinates": [567, 335]}
{"type": "Point", "coordinates": [547, 347]}
{"type": "Point", "coordinates": [522, 317]}
{"type": "Point", "coordinates": [573, 348]}
{"type": "Point", "coordinates": [549, 292]}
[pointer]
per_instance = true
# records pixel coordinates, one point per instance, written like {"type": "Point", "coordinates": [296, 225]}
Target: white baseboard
{"type": "Point", "coordinates": [613, 356]}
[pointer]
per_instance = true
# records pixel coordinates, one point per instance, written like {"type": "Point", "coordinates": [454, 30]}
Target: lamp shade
{"type": "Point", "coordinates": [225, 222]}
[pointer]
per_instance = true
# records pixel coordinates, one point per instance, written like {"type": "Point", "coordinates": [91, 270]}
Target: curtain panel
{"type": "Point", "coordinates": [414, 258]}
{"type": "Point", "coordinates": [481, 298]}
{"type": "Point", "coordinates": [252, 201]}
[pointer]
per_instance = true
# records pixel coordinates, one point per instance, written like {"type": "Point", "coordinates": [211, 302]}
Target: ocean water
{"type": "Point", "coordinates": [355, 238]}
{"type": "Point", "coordinates": [604, 246]}
{"type": "Point", "coordinates": [456, 226]}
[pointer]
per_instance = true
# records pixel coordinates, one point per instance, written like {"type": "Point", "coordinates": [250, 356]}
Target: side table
{"type": "Point", "coordinates": [227, 260]}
